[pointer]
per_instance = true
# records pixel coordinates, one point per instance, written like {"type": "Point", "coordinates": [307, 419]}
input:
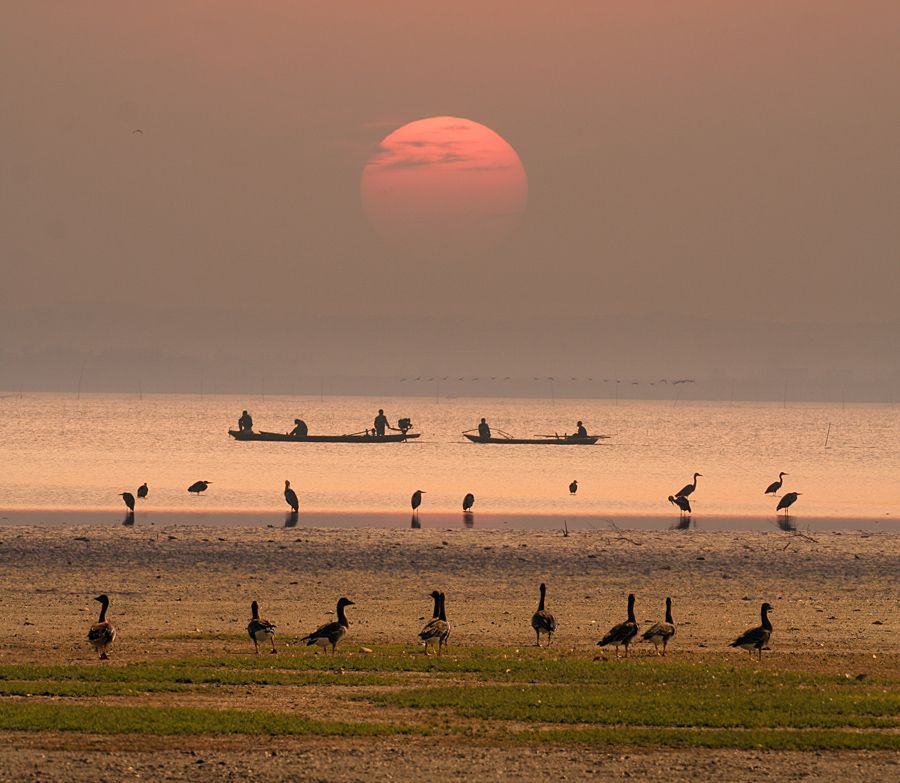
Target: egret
{"type": "Point", "coordinates": [416, 500]}
{"type": "Point", "coordinates": [773, 488]}
{"type": "Point", "coordinates": [102, 633]}
{"type": "Point", "coordinates": [573, 487]}
{"type": "Point", "coordinates": [682, 502]}
{"type": "Point", "coordinates": [331, 633]}
{"type": "Point", "coordinates": [199, 486]}
{"type": "Point", "coordinates": [142, 491]}
{"type": "Point", "coordinates": [291, 497]}
{"type": "Point", "coordinates": [688, 489]}
{"type": "Point", "coordinates": [787, 501]}
{"type": "Point", "coordinates": [756, 638]}
{"type": "Point", "coordinates": [623, 633]}
{"type": "Point", "coordinates": [129, 500]}
{"type": "Point", "coordinates": [468, 502]}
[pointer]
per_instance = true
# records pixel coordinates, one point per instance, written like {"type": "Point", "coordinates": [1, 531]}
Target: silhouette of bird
{"type": "Point", "coordinates": [623, 633]}
{"type": "Point", "coordinates": [437, 629]}
{"type": "Point", "coordinates": [137, 130]}
{"type": "Point", "coordinates": [468, 502]}
{"type": "Point", "coordinates": [787, 501]}
{"type": "Point", "coordinates": [260, 630]}
{"type": "Point", "coordinates": [291, 497]}
{"type": "Point", "coordinates": [773, 488]}
{"type": "Point", "coordinates": [129, 500]}
{"type": "Point", "coordinates": [573, 487]}
{"type": "Point", "coordinates": [331, 633]}
{"type": "Point", "coordinates": [416, 500]}
{"type": "Point", "coordinates": [682, 503]}
{"type": "Point", "coordinates": [142, 491]}
{"type": "Point", "coordinates": [542, 621]}
{"type": "Point", "coordinates": [199, 486]}
{"type": "Point", "coordinates": [102, 633]}
{"type": "Point", "coordinates": [756, 638]}
{"type": "Point", "coordinates": [660, 633]}
{"type": "Point", "coordinates": [688, 489]}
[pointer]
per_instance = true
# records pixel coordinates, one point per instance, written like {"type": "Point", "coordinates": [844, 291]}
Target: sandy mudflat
{"type": "Point", "coordinates": [835, 602]}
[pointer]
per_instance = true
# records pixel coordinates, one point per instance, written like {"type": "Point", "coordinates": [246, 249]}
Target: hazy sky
{"type": "Point", "coordinates": [735, 161]}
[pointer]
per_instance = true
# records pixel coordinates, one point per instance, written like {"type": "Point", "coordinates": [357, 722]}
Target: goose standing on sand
{"type": "Point", "coordinates": [573, 487]}
{"type": "Point", "coordinates": [683, 504]}
{"type": "Point", "coordinates": [688, 489]}
{"type": "Point", "coordinates": [331, 633]}
{"type": "Point", "coordinates": [542, 621]}
{"type": "Point", "coordinates": [260, 630]}
{"type": "Point", "coordinates": [199, 486]}
{"type": "Point", "coordinates": [623, 633]}
{"type": "Point", "coordinates": [142, 491]}
{"type": "Point", "coordinates": [468, 502]}
{"type": "Point", "coordinates": [660, 633]}
{"type": "Point", "coordinates": [416, 500]}
{"type": "Point", "coordinates": [773, 488]}
{"type": "Point", "coordinates": [787, 501]}
{"type": "Point", "coordinates": [102, 633]}
{"type": "Point", "coordinates": [129, 500]}
{"type": "Point", "coordinates": [756, 638]}
{"type": "Point", "coordinates": [436, 630]}
{"type": "Point", "coordinates": [290, 497]}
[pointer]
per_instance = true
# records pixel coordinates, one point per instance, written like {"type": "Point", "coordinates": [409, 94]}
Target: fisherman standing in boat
{"type": "Point", "coordinates": [300, 429]}
{"type": "Point", "coordinates": [245, 423]}
{"type": "Point", "coordinates": [581, 432]}
{"type": "Point", "coordinates": [484, 430]}
{"type": "Point", "coordinates": [381, 424]}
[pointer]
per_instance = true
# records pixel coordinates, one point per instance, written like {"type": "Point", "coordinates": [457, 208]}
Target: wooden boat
{"type": "Point", "coordinates": [542, 440]}
{"type": "Point", "coordinates": [281, 437]}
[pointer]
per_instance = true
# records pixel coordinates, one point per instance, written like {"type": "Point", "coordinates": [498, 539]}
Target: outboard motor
{"type": "Point", "coordinates": [404, 425]}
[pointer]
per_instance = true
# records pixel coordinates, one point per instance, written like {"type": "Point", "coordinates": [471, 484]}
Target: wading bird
{"type": "Point", "coordinates": [623, 633]}
{"type": "Point", "coordinates": [683, 504]}
{"type": "Point", "coordinates": [129, 500]}
{"type": "Point", "coordinates": [756, 638]}
{"type": "Point", "coordinates": [787, 501]}
{"type": "Point", "coordinates": [773, 488]}
{"type": "Point", "coordinates": [660, 633]}
{"type": "Point", "coordinates": [542, 621]}
{"type": "Point", "coordinates": [102, 633]}
{"type": "Point", "coordinates": [688, 489]}
{"type": "Point", "coordinates": [573, 487]}
{"type": "Point", "coordinates": [468, 502]}
{"type": "Point", "coordinates": [415, 501]}
{"type": "Point", "coordinates": [290, 497]}
{"type": "Point", "coordinates": [260, 630]}
{"type": "Point", "coordinates": [199, 486]}
{"type": "Point", "coordinates": [331, 633]}
{"type": "Point", "coordinates": [142, 491]}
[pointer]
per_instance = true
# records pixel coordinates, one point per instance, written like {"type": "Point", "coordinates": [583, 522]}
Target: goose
{"type": "Point", "coordinates": [468, 502]}
{"type": "Point", "coordinates": [290, 497]}
{"type": "Point", "coordinates": [773, 488]}
{"type": "Point", "coordinates": [129, 500]}
{"type": "Point", "coordinates": [787, 501]}
{"type": "Point", "coordinates": [142, 491]}
{"type": "Point", "coordinates": [445, 634]}
{"type": "Point", "coordinates": [623, 633]}
{"type": "Point", "coordinates": [660, 633]}
{"type": "Point", "coordinates": [331, 633]}
{"type": "Point", "coordinates": [102, 633]}
{"type": "Point", "coordinates": [688, 489]}
{"type": "Point", "coordinates": [573, 487]}
{"type": "Point", "coordinates": [756, 638]}
{"type": "Point", "coordinates": [682, 502]}
{"type": "Point", "coordinates": [199, 486]}
{"type": "Point", "coordinates": [542, 621]}
{"type": "Point", "coordinates": [260, 630]}
{"type": "Point", "coordinates": [436, 630]}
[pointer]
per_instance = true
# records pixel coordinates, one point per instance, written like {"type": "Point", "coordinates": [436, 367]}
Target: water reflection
{"type": "Point", "coordinates": [684, 523]}
{"type": "Point", "coordinates": [414, 522]}
{"type": "Point", "coordinates": [290, 519]}
{"type": "Point", "coordinates": [785, 524]}
{"type": "Point", "coordinates": [468, 519]}
{"type": "Point", "coordinates": [129, 519]}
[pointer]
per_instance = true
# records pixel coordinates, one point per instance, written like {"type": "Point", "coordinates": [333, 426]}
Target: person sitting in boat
{"type": "Point", "coordinates": [300, 429]}
{"type": "Point", "coordinates": [484, 430]}
{"type": "Point", "coordinates": [381, 424]}
{"type": "Point", "coordinates": [581, 432]}
{"type": "Point", "coordinates": [245, 423]}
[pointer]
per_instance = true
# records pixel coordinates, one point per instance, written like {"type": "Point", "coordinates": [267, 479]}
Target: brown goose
{"type": "Point", "coordinates": [660, 633]}
{"type": "Point", "coordinates": [437, 629]}
{"type": "Point", "coordinates": [623, 633]}
{"type": "Point", "coordinates": [756, 638]}
{"type": "Point", "coordinates": [542, 621]}
{"type": "Point", "coordinates": [331, 633]}
{"type": "Point", "coordinates": [102, 633]}
{"type": "Point", "coordinates": [260, 630]}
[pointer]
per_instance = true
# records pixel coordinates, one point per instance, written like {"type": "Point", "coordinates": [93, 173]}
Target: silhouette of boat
{"type": "Point", "coordinates": [542, 440]}
{"type": "Point", "coordinates": [282, 437]}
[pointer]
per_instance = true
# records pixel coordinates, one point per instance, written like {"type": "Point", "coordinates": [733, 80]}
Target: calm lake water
{"type": "Point", "coordinates": [71, 457]}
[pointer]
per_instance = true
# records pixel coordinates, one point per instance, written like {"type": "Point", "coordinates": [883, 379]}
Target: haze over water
{"type": "Point", "coordinates": [67, 458]}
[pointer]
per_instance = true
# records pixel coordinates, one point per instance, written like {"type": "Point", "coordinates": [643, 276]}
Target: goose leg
{"type": "Point", "coordinates": [274, 651]}
{"type": "Point", "coordinates": [538, 642]}
{"type": "Point", "coordinates": [256, 645]}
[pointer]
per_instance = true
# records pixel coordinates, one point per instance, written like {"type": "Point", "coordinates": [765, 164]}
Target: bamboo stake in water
{"type": "Point", "coordinates": [827, 434]}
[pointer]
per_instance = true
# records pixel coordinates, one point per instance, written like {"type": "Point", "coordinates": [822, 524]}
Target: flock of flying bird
{"type": "Point", "coordinates": [679, 499]}
{"type": "Point", "coordinates": [437, 630]}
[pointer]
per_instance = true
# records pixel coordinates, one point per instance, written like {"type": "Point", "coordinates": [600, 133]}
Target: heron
{"type": "Point", "coordinates": [688, 489]}
{"type": "Point", "coordinates": [416, 500]}
{"type": "Point", "coordinates": [129, 500]}
{"type": "Point", "coordinates": [682, 502]}
{"type": "Point", "coordinates": [199, 486]}
{"type": "Point", "coordinates": [291, 497]}
{"type": "Point", "coordinates": [468, 502]}
{"type": "Point", "coordinates": [787, 501]}
{"type": "Point", "coordinates": [142, 491]}
{"type": "Point", "coordinates": [773, 488]}
{"type": "Point", "coordinates": [573, 487]}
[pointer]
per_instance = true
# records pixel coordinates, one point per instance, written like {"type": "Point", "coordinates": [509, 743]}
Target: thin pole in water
{"type": "Point", "coordinates": [827, 434]}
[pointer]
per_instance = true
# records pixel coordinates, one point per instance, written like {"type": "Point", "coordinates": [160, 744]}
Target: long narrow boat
{"type": "Point", "coordinates": [282, 437]}
{"type": "Point", "coordinates": [550, 440]}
